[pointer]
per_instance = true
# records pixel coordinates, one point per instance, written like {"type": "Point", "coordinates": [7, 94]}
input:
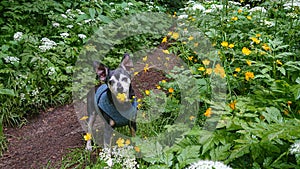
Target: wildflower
{"type": "Point", "coordinates": [248, 62]}
{"type": "Point", "coordinates": [164, 40]}
{"type": "Point", "coordinates": [205, 164]}
{"type": "Point", "coordinates": [231, 46]}
{"type": "Point", "coordinates": [198, 6]}
{"type": "Point", "coordinates": [266, 47]}
{"type": "Point", "coordinates": [11, 59]}
{"type": "Point", "coordinates": [201, 68]}
{"type": "Point", "coordinates": [120, 142]}
{"type": "Point", "coordinates": [158, 87]}
{"type": "Point", "coordinates": [69, 26]}
{"type": "Point", "coordinates": [135, 73]}
{"type": "Point", "coordinates": [190, 58]}
{"type": "Point", "coordinates": [51, 71]}
{"type": "Point", "coordinates": [232, 105]}
{"type": "Point", "coordinates": [255, 40]}
{"type": "Point", "coordinates": [192, 118]}
{"type": "Point", "coordinates": [295, 148]}
{"type": "Point", "coordinates": [121, 97]}
{"type": "Point", "coordinates": [127, 142]}
{"type": "Point", "coordinates": [286, 112]}
{"type": "Point", "coordinates": [171, 90]}
{"type": "Point", "coordinates": [64, 16]}
{"type": "Point", "coordinates": [146, 68]}
{"type": "Point", "coordinates": [137, 149]}
{"type": "Point", "coordinates": [145, 58]}
{"type": "Point", "coordinates": [237, 69]}
{"type": "Point", "coordinates": [18, 36]}
{"type": "Point", "coordinates": [147, 92]}
{"type": "Point", "coordinates": [175, 35]}
{"type": "Point", "coordinates": [190, 38]}
{"type": "Point", "coordinates": [84, 118]}
{"type": "Point", "coordinates": [166, 51]}
{"type": "Point", "coordinates": [249, 75]}
{"type": "Point", "coordinates": [246, 51]}
{"type": "Point", "coordinates": [219, 70]}
{"type": "Point", "coordinates": [235, 18]}
{"type": "Point", "coordinates": [64, 35]}
{"type": "Point", "coordinates": [87, 137]}
{"type": "Point", "coordinates": [206, 62]}
{"type": "Point", "coordinates": [257, 8]}
{"type": "Point", "coordinates": [55, 24]}
{"type": "Point", "coordinates": [196, 44]}
{"type": "Point", "coordinates": [182, 16]}
{"type": "Point", "coordinates": [240, 11]}
{"type": "Point", "coordinates": [224, 44]}
{"type": "Point", "coordinates": [289, 103]}
{"type": "Point", "coordinates": [163, 81]}
{"type": "Point", "coordinates": [278, 62]}
{"type": "Point", "coordinates": [208, 112]}
{"type": "Point", "coordinates": [249, 17]}
{"type": "Point", "coordinates": [208, 71]}
{"type": "Point", "coordinates": [258, 35]}
{"type": "Point", "coordinates": [81, 36]}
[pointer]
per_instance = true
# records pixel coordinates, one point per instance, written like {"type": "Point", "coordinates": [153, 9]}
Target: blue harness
{"type": "Point", "coordinates": [121, 118]}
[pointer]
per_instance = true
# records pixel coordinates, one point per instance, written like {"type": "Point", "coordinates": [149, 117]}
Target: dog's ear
{"type": "Point", "coordinates": [101, 70]}
{"type": "Point", "coordinates": [127, 63]}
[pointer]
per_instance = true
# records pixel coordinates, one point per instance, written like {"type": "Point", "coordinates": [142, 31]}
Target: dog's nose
{"type": "Point", "coordinates": [119, 88]}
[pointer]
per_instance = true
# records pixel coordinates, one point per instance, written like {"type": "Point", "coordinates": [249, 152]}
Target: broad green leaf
{"type": "Point", "coordinates": [7, 92]}
{"type": "Point", "coordinates": [282, 70]}
{"type": "Point", "coordinates": [92, 12]}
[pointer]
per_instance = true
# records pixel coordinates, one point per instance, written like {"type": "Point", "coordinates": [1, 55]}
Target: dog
{"type": "Point", "coordinates": [113, 99]}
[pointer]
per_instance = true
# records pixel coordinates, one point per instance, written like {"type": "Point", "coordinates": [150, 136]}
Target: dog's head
{"type": "Point", "coordinates": [118, 80]}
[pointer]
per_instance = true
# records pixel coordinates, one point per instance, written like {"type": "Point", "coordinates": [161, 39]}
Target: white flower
{"type": "Point", "coordinates": [198, 6]}
{"type": "Point", "coordinates": [47, 44]}
{"type": "Point", "coordinates": [235, 3]}
{"type": "Point", "coordinates": [64, 16]}
{"type": "Point", "coordinates": [182, 16]}
{"type": "Point", "coordinates": [130, 4]}
{"type": "Point", "coordinates": [112, 10]}
{"type": "Point", "coordinates": [69, 26]}
{"type": "Point", "coordinates": [214, 6]}
{"type": "Point", "coordinates": [87, 20]}
{"type": "Point", "coordinates": [207, 11]}
{"type": "Point", "coordinates": [51, 71]}
{"type": "Point", "coordinates": [80, 12]}
{"type": "Point", "coordinates": [126, 9]}
{"type": "Point", "coordinates": [81, 36]}
{"type": "Point", "coordinates": [269, 23]}
{"type": "Point", "coordinates": [55, 24]}
{"type": "Point", "coordinates": [22, 96]}
{"type": "Point", "coordinates": [18, 36]}
{"type": "Point", "coordinates": [11, 59]}
{"type": "Point", "coordinates": [64, 35]}
{"type": "Point", "coordinates": [35, 92]}
{"type": "Point", "coordinates": [289, 5]}
{"type": "Point", "coordinates": [205, 164]}
{"type": "Point", "coordinates": [68, 11]}
{"type": "Point", "coordinates": [295, 148]}
{"type": "Point", "coordinates": [111, 3]}
{"type": "Point", "coordinates": [258, 8]}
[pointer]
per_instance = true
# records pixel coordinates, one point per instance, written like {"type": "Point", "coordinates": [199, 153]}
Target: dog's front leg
{"type": "Point", "coordinates": [91, 121]}
{"type": "Point", "coordinates": [108, 133]}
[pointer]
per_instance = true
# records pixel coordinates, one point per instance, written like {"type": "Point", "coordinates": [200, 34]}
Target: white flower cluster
{"type": "Point", "coordinates": [47, 44]}
{"type": "Point", "coordinates": [258, 8]}
{"type": "Point", "coordinates": [51, 71]}
{"type": "Point", "coordinates": [290, 5]}
{"type": "Point", "coordinates": [119, 155]}
{"type": "Point", "coordinates": [64, 35]}
{"type": "Point", "coordinates": [18, 36]}
{"type": "Point", "coordinates": [82, 36]}
{"type": "Point", "coordinates": [55, 24]}
{"type": "Point", "coordinates": [295, 148]}
{"type": "Point", "coordinates": [11, 59]}
{"type": "Point", "coordinates": [205, 164]}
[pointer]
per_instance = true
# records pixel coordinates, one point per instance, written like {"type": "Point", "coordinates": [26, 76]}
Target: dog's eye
{"type": "Point", "coordinates": [111, 82]}
{"type": "Point", "coordinates": [124, 79]}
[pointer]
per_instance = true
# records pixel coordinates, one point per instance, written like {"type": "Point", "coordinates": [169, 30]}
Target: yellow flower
{"type": "Point", "coordinates": [120, 142]}
{"type": "Point", "coordinates": [127, 142]}
{"type": "Point", "coordinates": [158, 87]}
{"type": "Point", "coordinates": [171, 90]}
{"type": "Point", "coordinates": [232, 105]}
{"type": "Point", "coordinates": [190, 58]}
{"type": "Point", "coordinates": [249, 75]}
{"type": "Point", "coordinates": [208, 112]}
{"type": "Point", "coordinates": [246, 51]}
{"type": "Point", "coordinates": [146, 68]}
{"type": "Point", "coordinates": [208, 71]}
{"type": "Point", "coordinates": [145, 58]}
{"type": "Point", "coordinates": [87, 137]}
{"type": "Point", "coordinates": [235, 18]}
{"type": "Point", "coordinates": [137, 149]}
{"type": "Point", "coordinates": [190, 38]}
{"type": "Point", "coordinates": [84, 118]}
{"type": "Point", "coordinates": [248, 62]}
{"type": "Point", "coordinates": [166, 51]}
{"type": "Point", "coordinates": [163, 81]}
{"type": "Point", "coordinates": [147, 92]}
{"type": "Point", "coordinates": [220, 70]}
{"type": "Point", "coordinates": [164, 40]}
{"type": "Point", "coordinates": [175, 35]}
{"type": "Point", "coordinates": [121, 97]}
{"type": "Point", "coordinates": [266, 47]}
{"type": "Point", "coordinates": [135, 73]}
{"type": "Point", "coordinates": [240, 11]}
{"type": "Point", "coordinates": [231, 46]}
{"type": "Point", "coordinates": [192, 118]}
{"type": "Point", "coordinates": [255, 40]}
{"type": "Point", "coordinates": [289, 103]}
{"type": "Point", "coordinates": [237, 69]}
{"type": "Point", "coordinates": [234, 75]}
{"type": "Point", "coordinates": [278, 62]}
{"type": "Point", "coordinates": [201, 68]}
{"type": "Point", "coordinates": [258, 35]}
{"type": "Point", "coordinates": [196, 44]}
{"type": "Point", "coordinates": [249, 17]}
{"type": "Point", "coordinates": [206, 62]}
{"type": "Point", "coordinates": [224, 44]}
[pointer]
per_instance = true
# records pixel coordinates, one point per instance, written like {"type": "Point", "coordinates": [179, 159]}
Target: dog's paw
{"type": "Point", "coordinates": [88, 146]}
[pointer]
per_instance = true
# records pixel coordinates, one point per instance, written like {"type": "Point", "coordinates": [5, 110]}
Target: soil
{"type": "Point", "coordinates": [46, 138]}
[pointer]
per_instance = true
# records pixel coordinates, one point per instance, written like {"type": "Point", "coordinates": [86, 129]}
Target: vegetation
{"type": "Point", "coordinates": [235, 99]}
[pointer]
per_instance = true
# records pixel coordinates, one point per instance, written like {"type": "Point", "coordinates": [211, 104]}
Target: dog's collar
{"type": "Point", "coordinates": [105, 104]}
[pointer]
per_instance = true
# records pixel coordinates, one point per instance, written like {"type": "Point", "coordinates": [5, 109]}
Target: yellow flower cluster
{"type": "Point", "coordinates": [249, 75]}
